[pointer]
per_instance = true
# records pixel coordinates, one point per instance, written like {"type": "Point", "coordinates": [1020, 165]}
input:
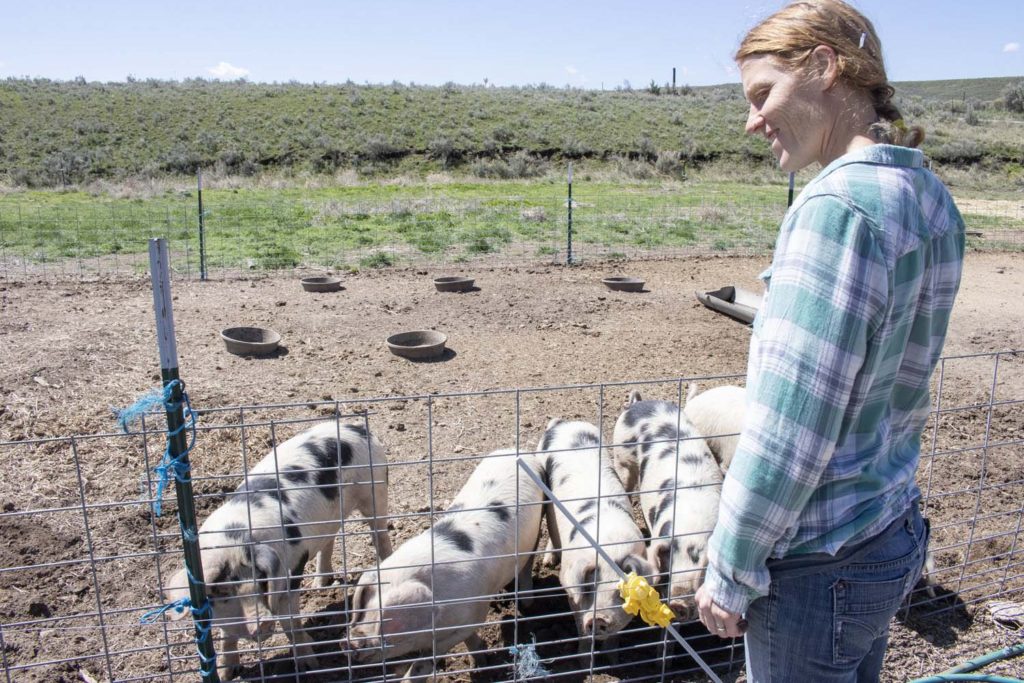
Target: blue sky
{"type": "Point", "coordinates": [591, 44]}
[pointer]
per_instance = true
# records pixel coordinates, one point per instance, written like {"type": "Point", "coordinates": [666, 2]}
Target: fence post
{"type": "Point", "coordinates": [791, 182]}
{"type": "Point", "coordinates": [202, 226]}
{"type": "Point", "coordinates": [159, 265]}
{"type": "Point", "coordinates": [568, 247]}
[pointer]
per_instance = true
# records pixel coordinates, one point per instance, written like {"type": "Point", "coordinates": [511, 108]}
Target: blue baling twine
{"type": "Point", "coordinates": [529, 665]}
{"type": "Point", "coordinates": [208, 664]}
{"type": "Point", "coordinates": [168, 465]}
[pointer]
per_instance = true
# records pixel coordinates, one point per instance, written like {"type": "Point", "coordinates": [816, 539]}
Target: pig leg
{"type": "Point", "coordinates": [477, 650]}
{"type": "Point", "coordinates": [228, 666]}
{"type": "Point", "coordinates": [424, 668]}
{"type": "Point", "coordinates": [297, 636]}
{"type": "Point", "coordinates": [526, 582]}
{"type": "Point", "coordinates": [551, 555]}
{"type": "Point", "coordinates": [375, 509]}
{"type": "Point", "coordinates": [324, 566]}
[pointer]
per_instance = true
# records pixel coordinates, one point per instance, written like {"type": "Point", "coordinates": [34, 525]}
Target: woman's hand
{"type": "Point", "coordinates": [718, 621]}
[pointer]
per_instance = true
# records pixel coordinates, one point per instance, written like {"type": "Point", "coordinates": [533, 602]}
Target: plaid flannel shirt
{"type": "Point", "coordinates": [865, 270]}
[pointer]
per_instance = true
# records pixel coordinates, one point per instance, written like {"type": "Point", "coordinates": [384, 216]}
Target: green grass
{"type": "Point", "coordinates": [376, 224]}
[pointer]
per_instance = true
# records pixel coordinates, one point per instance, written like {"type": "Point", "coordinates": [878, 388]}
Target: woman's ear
{"type": "Point", "coordinates": [826, 66]}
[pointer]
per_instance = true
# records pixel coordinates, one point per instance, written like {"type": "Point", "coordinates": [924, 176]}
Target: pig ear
{"type": "Point", "coordinates": [176, 589]}
{"type": "Point", "coordinates": [640, 565]}
{"type": "Point", "coordinates": [266, 567]}
{"type": "Point", "coordinates": [412, 613]}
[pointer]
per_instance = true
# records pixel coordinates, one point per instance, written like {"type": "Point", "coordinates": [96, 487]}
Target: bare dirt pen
{"type": "Point", "coordinates": [71, 350]}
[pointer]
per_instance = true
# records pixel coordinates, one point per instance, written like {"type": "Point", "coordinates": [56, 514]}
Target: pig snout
{"type": "Point", "coordinates": [361, 649]}
{"type": "Point", "coordinates": [685, 609]}
{"type": "Point", "coordinates": [597, 625]}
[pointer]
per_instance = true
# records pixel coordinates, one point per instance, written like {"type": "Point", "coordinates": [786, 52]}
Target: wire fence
{"type": "Point", "coordinates": [433, 543]}
{"type": "Point", "coordinates": [394, 225]}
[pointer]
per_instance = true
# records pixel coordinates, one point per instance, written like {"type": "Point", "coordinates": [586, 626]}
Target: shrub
{"type": "Point", "coordinates": [522, 165]}
{"type": "Point", "coordinates": [572, 148]}
{"type": "Point", "coordinates": [378, 259]}
{"type": "Point", "coordinates": [1013, 97]}
{"type": "Point", "coordinates": [971, 116]}
{"type": "Point", "coordinates": [443, 149]}
{"type": "Point", "coordinates": [377, 148]}
{"type": "Point", "coordinates": [669, 163]}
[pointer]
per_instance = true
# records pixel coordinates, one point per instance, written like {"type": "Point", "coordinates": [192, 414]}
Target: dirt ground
{"type": "Point", "coordinates": [526, 345]}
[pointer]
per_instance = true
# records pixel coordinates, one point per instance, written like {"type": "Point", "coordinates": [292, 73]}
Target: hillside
{"type": "Point", "coordinates": [59, 133]}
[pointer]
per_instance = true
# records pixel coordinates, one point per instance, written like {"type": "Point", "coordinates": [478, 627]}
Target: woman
{"type": "Point", "coordinates": [819, 538]}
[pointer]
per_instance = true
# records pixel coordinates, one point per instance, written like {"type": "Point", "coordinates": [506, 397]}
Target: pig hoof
{"type": "Point", "coordinates": [227, 672]}
{"type": "Point", "coordinates": [324, 581]}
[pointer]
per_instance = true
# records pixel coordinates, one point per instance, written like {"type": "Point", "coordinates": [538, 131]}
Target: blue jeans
{"type": "Point", "coordinates": [826, 618]}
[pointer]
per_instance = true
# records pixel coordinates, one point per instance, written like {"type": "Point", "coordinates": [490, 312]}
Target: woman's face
{"type": "Point", "coordinates": [788, 108]}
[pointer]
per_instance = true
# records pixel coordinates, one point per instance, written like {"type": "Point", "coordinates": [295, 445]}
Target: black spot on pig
{"type": "Point", "coordinates": [499, 508]}
{"type": "Point", "coordinates": [460, 539]}
{"type": "Point", "coordinates": [263, 486]}
{"type": "Point", "coordinates": [589, 519]}
{"type": "Point", "coordinates": [295, 582]}
{"type": "Point", "coordinates": [694, 552]}
{"type": "Point", "coordinates": [585, 440]}
{"type": "Point", "coordinates": [641, 410]}
{"type": "Point", "coordinates": [663, 505]}
{"type": "Point", "coordinates": [292, 529]}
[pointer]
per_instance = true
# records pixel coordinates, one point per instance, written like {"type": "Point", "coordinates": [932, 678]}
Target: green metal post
{"type": "Point", "coordinates": [159, 265]}
{"type": "Point", "coordinates": [202, 227]}
{"type": "Point", "coordinates": [568, 250]}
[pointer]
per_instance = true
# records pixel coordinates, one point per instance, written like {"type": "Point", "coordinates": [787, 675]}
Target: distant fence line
{"type": "Point", "coordinates": [415, 226]}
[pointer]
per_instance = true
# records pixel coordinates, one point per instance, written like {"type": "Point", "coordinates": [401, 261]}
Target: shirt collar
{"type": "Point", "coordinates": [886, 155]}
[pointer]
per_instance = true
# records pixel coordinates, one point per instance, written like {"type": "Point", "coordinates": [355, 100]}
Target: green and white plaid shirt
{"type": "Point", "coordinates": [859, 293]}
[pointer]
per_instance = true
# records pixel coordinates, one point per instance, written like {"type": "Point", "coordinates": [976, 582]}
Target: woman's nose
{"type": "Point", "coordinates": [755, 121]}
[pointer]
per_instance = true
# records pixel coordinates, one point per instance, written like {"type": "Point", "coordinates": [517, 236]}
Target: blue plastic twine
{"type": "Point", "coordinates": [168, 465]}
{"type": "Point", "coordinates": [529, 665]}
{"type": "Point", "coordinates": [208, 664]}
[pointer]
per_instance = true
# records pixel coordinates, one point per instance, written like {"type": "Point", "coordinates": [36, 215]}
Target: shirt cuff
{"type": "Point", "coordinates": [729, 595]}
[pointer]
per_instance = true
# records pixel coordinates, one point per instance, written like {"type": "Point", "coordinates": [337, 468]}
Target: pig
{"type": "Point", "coordinates": [255, 546]}
{"type": "Point", "coordinates": [440, 583]}
{"type": "Point", "coordinates": [718, 414]}
{"type": "Point", "coordinates": [680, 487]}
{"type": "Point", "coordinates": [578, 469]}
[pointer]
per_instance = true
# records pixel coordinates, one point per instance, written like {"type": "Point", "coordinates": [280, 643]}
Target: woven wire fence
{"type": "Point", "coordinates": [393, 225]}
{"type": "Point", "coordinates": [87, 557]}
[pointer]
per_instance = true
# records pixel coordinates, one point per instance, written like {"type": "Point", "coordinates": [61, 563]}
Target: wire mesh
{"type": "Point", "coordinates": [86, 557]}
{"type": "Point", "coordinates": [499, 223]}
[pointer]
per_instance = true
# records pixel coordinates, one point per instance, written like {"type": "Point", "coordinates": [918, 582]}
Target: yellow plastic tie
{"type": "Point", "coordinates": [640, 598]}
{"type": "Point", "coordinates": [900, 125]}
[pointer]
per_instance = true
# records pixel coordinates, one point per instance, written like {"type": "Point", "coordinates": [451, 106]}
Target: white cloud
{"type": "Point", "coordinates": [571, 70]}
{"type": "Point", "coordinates": [1011, 47]}
{"type": "Point", "coordinates": [229, 71]}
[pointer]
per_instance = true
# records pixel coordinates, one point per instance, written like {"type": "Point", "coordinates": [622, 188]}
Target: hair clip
{"type": "Point", "coordinates": [863, 35]}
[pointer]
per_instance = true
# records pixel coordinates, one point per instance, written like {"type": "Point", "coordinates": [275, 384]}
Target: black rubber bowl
{"type": "Point", "coordinates": [250, 340]}
{"type": "Point", "coordinates": [321, 284]}
{"type": "Point", "coordinates": [417, 344]}
{"type": "Point", "coordinates": [624, 284]}
{"type": "Point", "coordinates": [454, 283]}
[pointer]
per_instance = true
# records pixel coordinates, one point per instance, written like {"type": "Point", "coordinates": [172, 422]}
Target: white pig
{"type": "Point", "coordinates": [255, 546]}
{"type": "Point", "coordinates": [680, 487]}
{"type": "Point", "coordinates": [435, 590]}
{"type": "Point", "coordinates": [577, 470]}
{"type": "Point", "coordinates": [718, 414]}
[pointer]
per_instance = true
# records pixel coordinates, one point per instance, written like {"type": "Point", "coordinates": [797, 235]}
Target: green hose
{"type": "Point", "coordinates": [959, 673]}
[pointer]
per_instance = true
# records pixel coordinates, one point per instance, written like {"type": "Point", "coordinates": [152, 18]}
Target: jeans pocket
{"type": "Point", "coordinates": [862, 611]}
